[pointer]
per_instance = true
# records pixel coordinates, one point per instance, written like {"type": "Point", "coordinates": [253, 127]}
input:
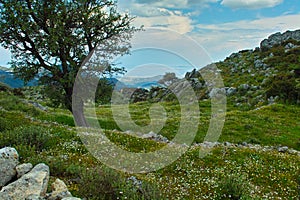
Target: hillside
{"type": "Point", "coordinates": [256, 157]}
{"type": "Point", "coordinates": [253, 78]}
{"type": "Point", "coordinates": [7, 77]}
{"type": "Point", "coordinates": [256, 148]}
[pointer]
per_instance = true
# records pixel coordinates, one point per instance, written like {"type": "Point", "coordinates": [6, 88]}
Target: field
{"type": "Point", "coordinates": [231, 171]}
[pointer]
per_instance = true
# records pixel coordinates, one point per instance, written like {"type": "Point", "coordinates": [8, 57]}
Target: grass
{"type": "Point", "coordinates": [226, 173]}
{"type": "Point", "coordinates": [275, 125]}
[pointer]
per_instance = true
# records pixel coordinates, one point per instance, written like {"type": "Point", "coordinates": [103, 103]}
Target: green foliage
{"type": "Point", "coordinates": [10, 102]}
{"type": "Point", "coordinates": [285, 87]}
{"type": "Point", "coordinates": [103, 183]}
{"type": "Point", "coordinates": [55, 93]}
{"type": "Point", "coordinates": [34, 136]}
{"type": "Point", "coordinates": [233, 187]}
{"type": "Point", "coordinates": [61, 118]}
{"type": "Point", "coordinates": [285, 83]}
{"type": "Point", "coordinates": [64, 33]}
{"type": "Point", "coordinates": [104, 92]}
{"type": "Point", "coordinates": [5, 124]}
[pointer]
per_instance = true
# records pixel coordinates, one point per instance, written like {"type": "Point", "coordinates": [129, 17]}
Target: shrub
{"type": "Point", "coordinates": [5, 124]}
{"type": "Point", "coordinates": [33, 136]}
{"type": "Point", "coordinates": [13, 103]}
{"type": "Point", "coordinates": [233, 187]}
{"type": "Point", "coordinates": [103, 183]}
{"type": "Point", "coordinates": [283, 86]}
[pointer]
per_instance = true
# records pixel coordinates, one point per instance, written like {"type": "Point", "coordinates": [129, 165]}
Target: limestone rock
{"type": "Point", "coordinates": [71, 198]}
{"type": "Point", "coordinates": [278, 38]}
{"type": "Point", "coordinates": [9, 159]}
{"type": "Point", "coordinates": [33, 184]}
{"type": "Point", "coordinates": [217, 93]}
{"type": "Point", "coordinates": [193, 74]}
{"type": "Point", "coordinates": [283, 149]}
{"type": "Point", "coordinates": [59, 190]}
{"type": "Point", "coordinates": [23, 169]}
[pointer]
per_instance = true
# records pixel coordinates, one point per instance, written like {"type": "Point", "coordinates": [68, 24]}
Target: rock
{"type": "Point", "coordinates": [135, 181]}
{"type": "Point", "coordinates": [38, 106]}
{"type": "Point", "coordinates": [23, 169]}
{"type": "Point", "coordinates": [217, 93]}
{"type": "Point", "coordinates": [33, 184]}
{"type": "Point", "coordinates": [34, 197]}
{"type": "Point", "coordinates": [244, 87]}
{"type": "Point", "coordinates": [59, 190]}
{"type": "Point", "coordinates": [208, 145]}
{"type": "Point", "coordinates": [283, 149]}
{"type": "Point", "coordinates": [244, 144]}
{"type": "Point", "coordinates": [290, 46]}
{"type": "Point", "coordinates": [230, 91]}
{"type": "Point", "coordinates": [235, 55]}
{"type": "Point", "coordinates": [70, 198]}
{"type": "Point", "coordinates": [227, 144]}
{"type": "Point", "coordinates": [193, 74]}
{"type": "Point", "coordinates": [279, 38]}
{"type": "Point", "coordinates": [9, 159]}
{"type": "Point", "coordinates": [156, 137]}
{"type": "Point", "coordinates": [259, 64]}
{"type": "Point", "coordinates": [272, 100]}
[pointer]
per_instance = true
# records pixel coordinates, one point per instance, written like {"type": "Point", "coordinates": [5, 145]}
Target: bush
{"type": "Point", "coordinates": [283, 86]}
{"type": "Point", "coordinates": [13, 103]}
{"type": "Point", "coordinates": [5, 124]}
{"type": "Point", "coordinates": [104, 183]}
{"type": "Point", "coordinates": [33, 136]}
{"type": "Point", "coordinates": [233, 187]}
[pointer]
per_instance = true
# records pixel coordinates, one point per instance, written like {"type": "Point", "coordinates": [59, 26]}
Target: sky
{"type": "Point", "coordinates": [218, 27]}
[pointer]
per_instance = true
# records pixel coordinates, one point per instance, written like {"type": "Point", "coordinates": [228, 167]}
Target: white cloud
{"type": "Point", "coordinates": [220, 40]}
{"type": "Point", "coordinates": [179, 23]}
{"type": "Point", "coordinates": [165, 13]}
{"type": "Point", "coordinates": [263, 24]}
{"type": "Point", "coordinates": [251, 4]}
{"type": "Point", "coordinates": [171, 3]}
{"type": "Point", "coordinates": [155, 13]}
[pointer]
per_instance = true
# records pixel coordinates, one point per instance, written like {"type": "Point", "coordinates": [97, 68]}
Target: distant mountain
{"type": "Point", "coordinates": [7, 77]}
{"type": "Point", "coordinates": [116, 83]}
{"type": "Point", "coordinates": [141, 82]}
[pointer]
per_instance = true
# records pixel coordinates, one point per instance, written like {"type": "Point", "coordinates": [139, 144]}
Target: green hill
{"type": "Point", "coordinates": [256, 157]}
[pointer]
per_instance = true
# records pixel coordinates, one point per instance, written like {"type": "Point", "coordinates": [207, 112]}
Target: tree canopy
{"type": "Point", "coordinates": [52, 38]}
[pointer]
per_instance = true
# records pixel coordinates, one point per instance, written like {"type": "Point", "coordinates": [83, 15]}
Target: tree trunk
{"type": "Point", "coordinates": [78, 114]}
{"type": "Point", "coordinates": [76, 106]}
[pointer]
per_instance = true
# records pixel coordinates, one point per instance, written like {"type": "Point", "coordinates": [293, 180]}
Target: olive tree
{"type": "Point", "coordinates": [50, 39]}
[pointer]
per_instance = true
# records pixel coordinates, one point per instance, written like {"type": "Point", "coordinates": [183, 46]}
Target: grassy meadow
{"type": "Point", "coordinates": [226, 173]}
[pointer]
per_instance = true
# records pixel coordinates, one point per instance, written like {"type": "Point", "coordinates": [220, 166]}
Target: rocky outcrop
{"type": "Point", "coordinates": [59, 190]}
{"type": "Point", "coordinates": [31, 185]}
{"type": "Point", "coordinates": [27, 182]}
{"type": "Point", "coordinates": [193, 74]}
{"type": "Point", "coordinates": [23, 169]}
{"type": "Point", "coordinates": [279, 38]}
{"type": "Point", "coordinates": [9, 159]}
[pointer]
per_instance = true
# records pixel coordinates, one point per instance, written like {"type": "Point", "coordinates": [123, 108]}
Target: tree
{"type": "Point", "coordinates": [52, 38]}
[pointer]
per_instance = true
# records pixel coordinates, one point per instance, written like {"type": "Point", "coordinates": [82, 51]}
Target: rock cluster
{"type": "Point", "coordinates": [26, 181]}
{"type": "Point", "coordinates": [279, 38]}
{"type": "Point", "coordinates": [257, 147]}
{"type": "Point", "coordinates": [208, 145]}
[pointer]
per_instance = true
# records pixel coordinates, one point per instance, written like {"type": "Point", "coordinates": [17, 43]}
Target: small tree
{"type": "Point", "coordinates": [52, 38]}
